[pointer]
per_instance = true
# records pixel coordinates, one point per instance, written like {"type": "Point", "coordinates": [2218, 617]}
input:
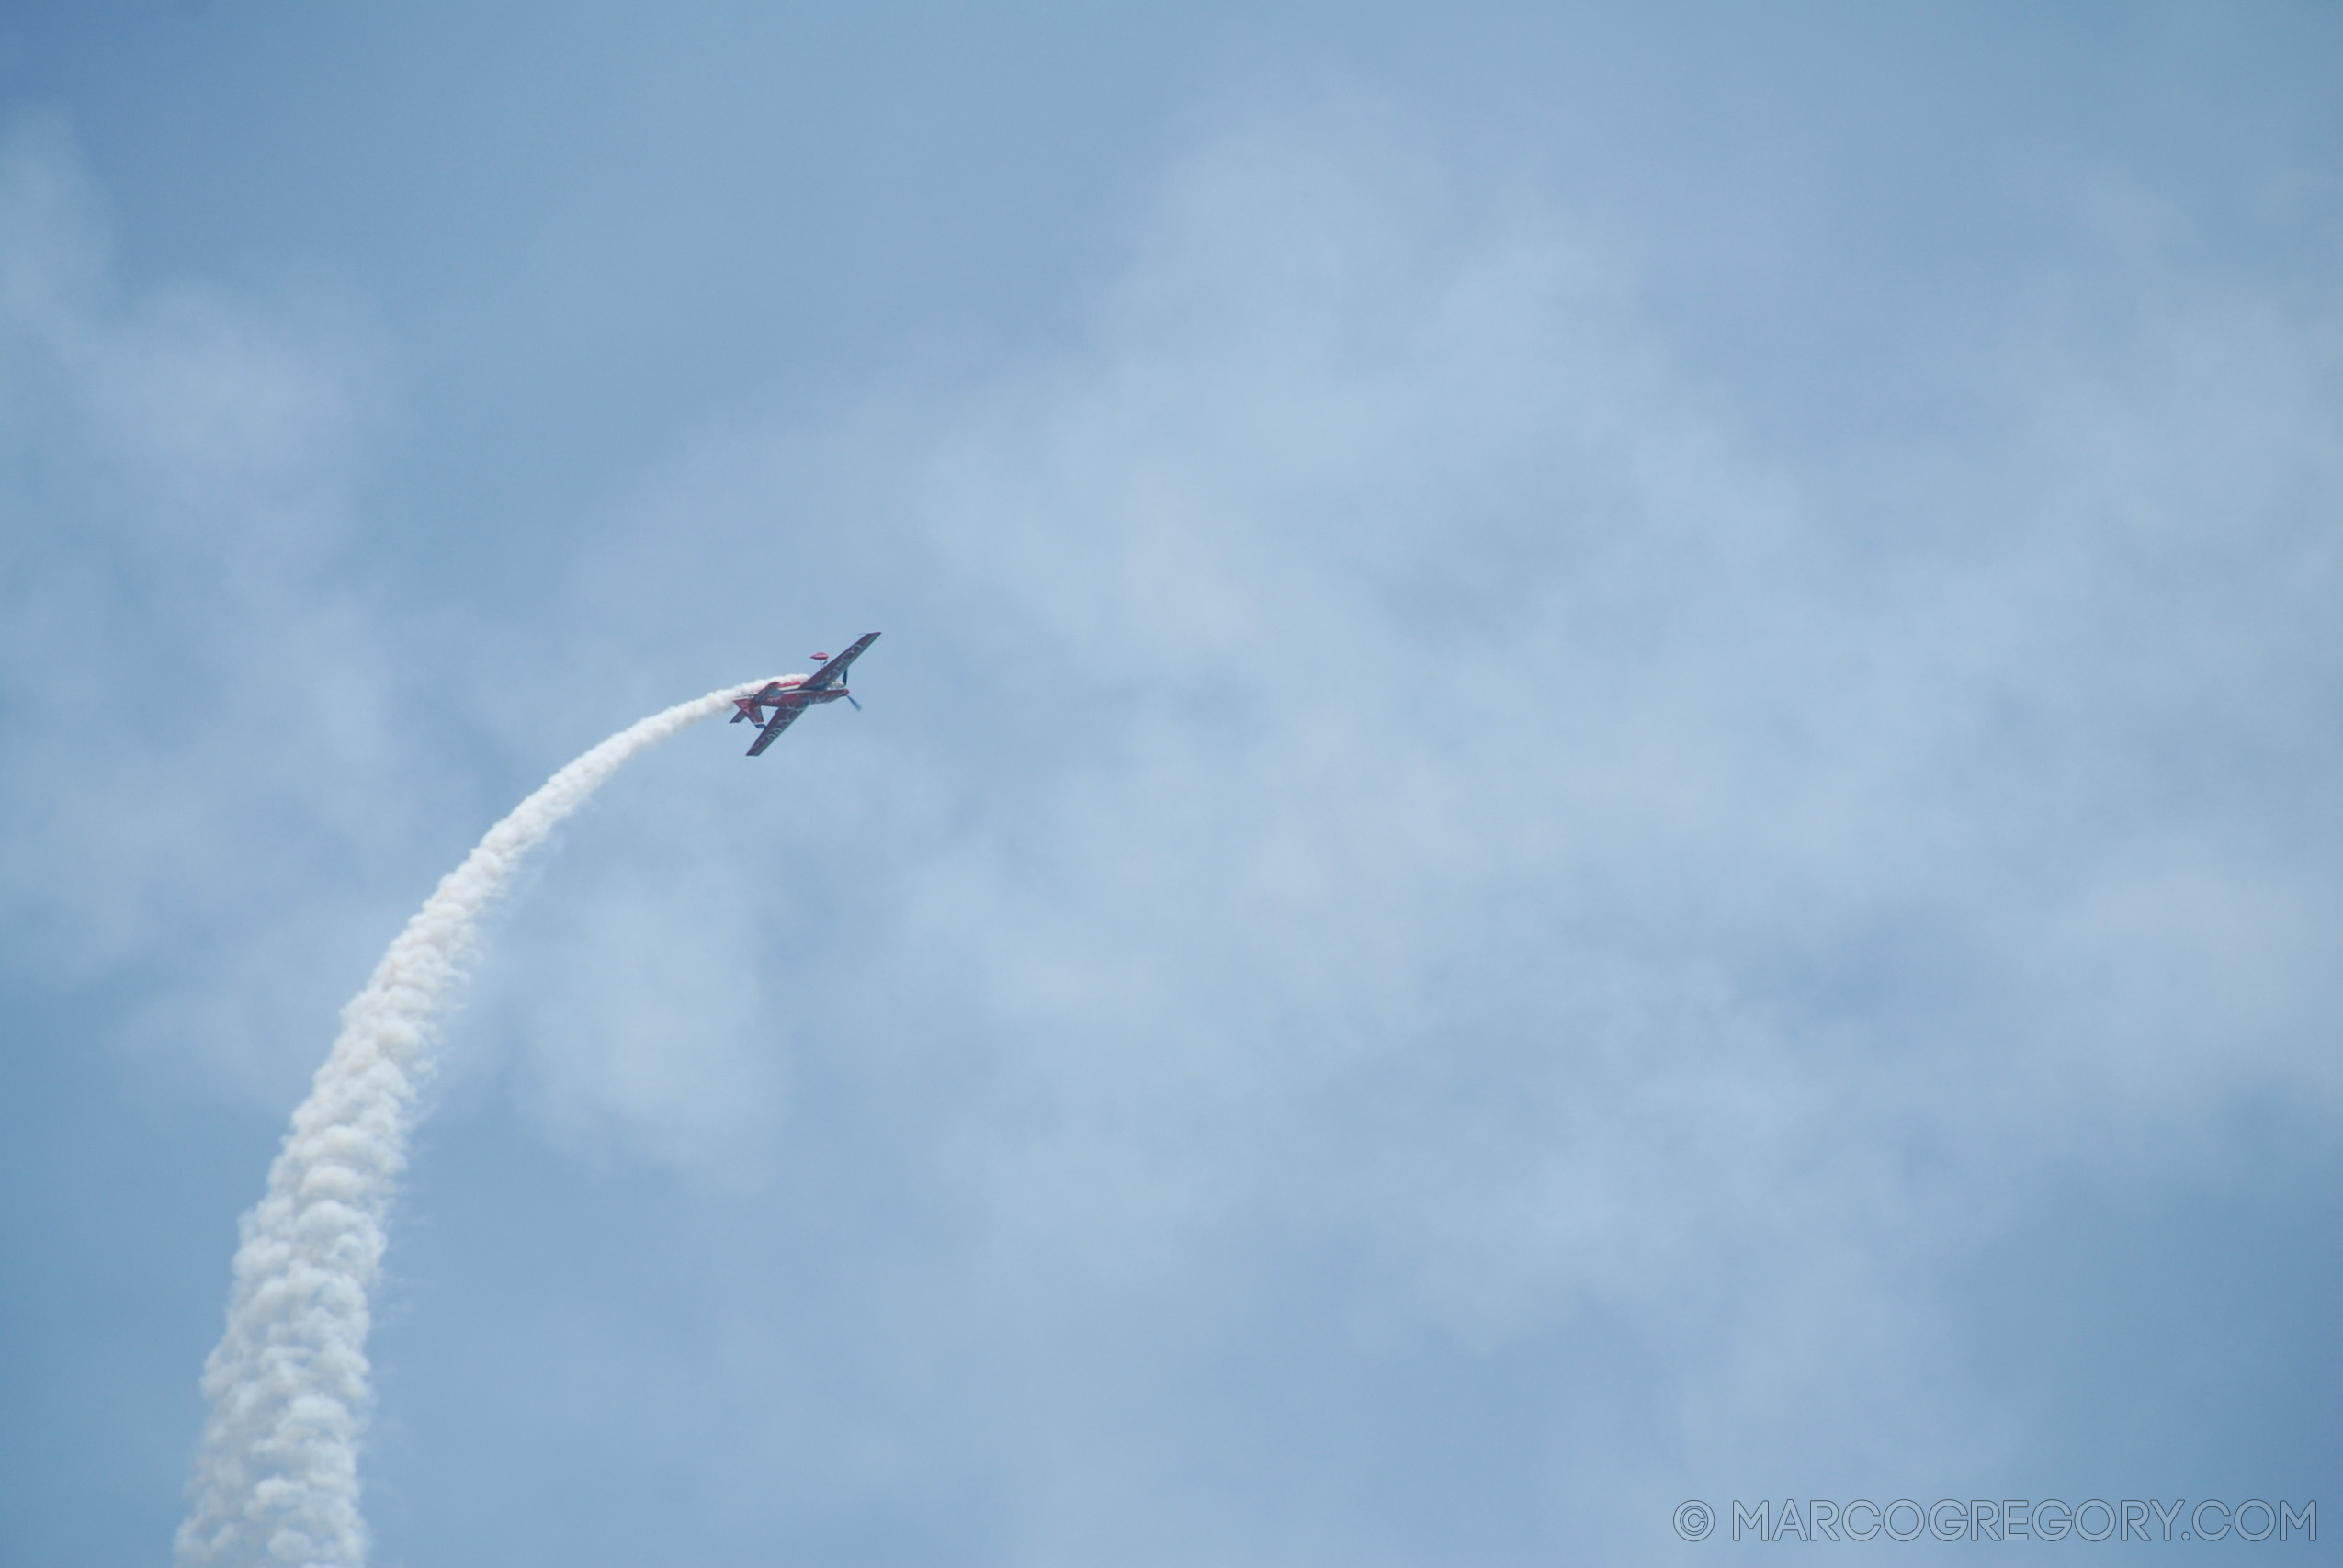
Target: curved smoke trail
{"type": "Point", "coordinates": [277, 1477]}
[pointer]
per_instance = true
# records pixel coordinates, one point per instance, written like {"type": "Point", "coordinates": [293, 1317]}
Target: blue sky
{"type": "Point", "coordinates": [1603, 769]}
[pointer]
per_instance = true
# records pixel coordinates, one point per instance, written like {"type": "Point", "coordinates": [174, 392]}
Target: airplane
{"type": "Point", "coordinates": [790, 697]}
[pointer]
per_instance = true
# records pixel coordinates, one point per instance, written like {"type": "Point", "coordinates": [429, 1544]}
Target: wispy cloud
{"type": "Point", "coordinates": [186, 667]}
{"type": "Point", "coordinates": [1384, 764]}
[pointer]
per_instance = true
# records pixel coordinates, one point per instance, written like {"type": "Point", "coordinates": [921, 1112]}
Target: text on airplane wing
{"type": "Point", "coordinates": [783, 717]}
{"type": "Point", "coordinates": [835, 671]}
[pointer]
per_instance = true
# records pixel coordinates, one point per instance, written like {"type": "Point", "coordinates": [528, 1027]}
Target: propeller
{"type": "Point", "coordinates": [850, 697]}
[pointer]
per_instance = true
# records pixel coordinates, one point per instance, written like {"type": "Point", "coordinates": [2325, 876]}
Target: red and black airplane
{"type": "Point", "coordinates": [792, 695]}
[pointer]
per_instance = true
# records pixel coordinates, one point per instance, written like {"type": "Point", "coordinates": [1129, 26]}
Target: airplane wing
{"type": "Point", "coordinates": [834, 672]}
{"type": "Point", "coordinates": [782, 719]}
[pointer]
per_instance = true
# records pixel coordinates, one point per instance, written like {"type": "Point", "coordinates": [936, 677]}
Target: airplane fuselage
{"type": "Point", "coordinates": [788, 693]}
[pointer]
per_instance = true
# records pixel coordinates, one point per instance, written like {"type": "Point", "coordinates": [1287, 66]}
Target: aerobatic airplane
{"type": "Point", "coordinates": [791, 697]}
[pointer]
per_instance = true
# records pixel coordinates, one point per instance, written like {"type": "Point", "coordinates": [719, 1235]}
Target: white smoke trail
{"type": "Point", "coordinates": [276, 1476]}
